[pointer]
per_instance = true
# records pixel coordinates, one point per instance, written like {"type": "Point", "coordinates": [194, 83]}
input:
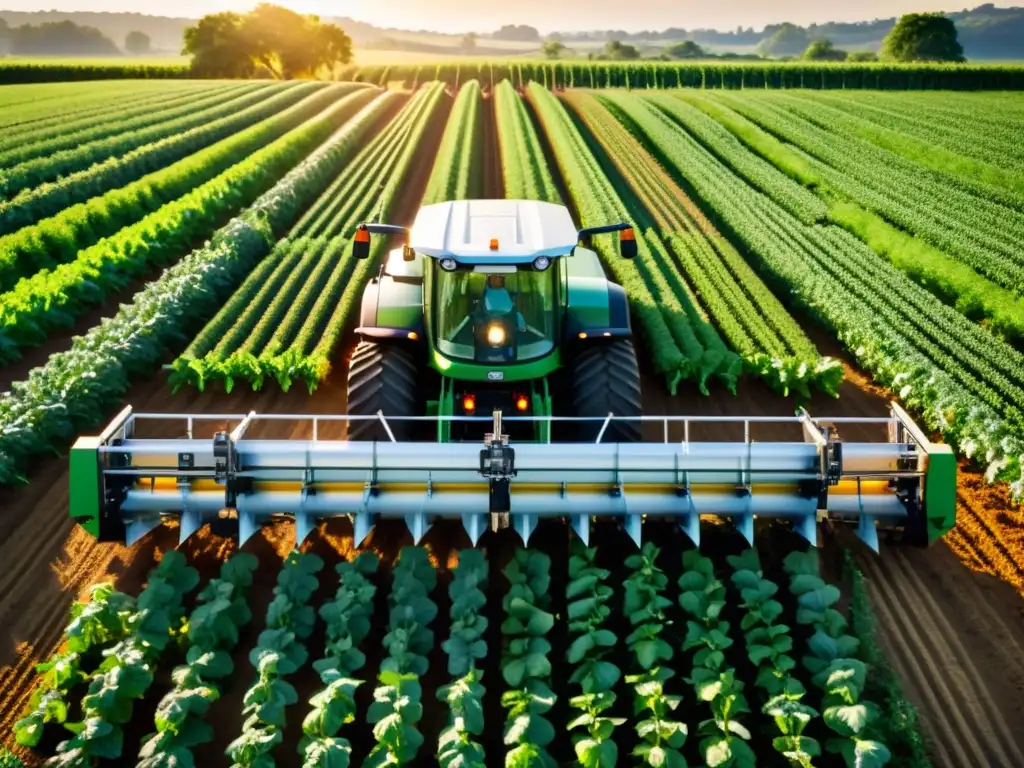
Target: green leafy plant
{"type": "Point", "coordinates": [126, 672]}
{"type": "Point", "coordinates": [97, 624]}
{"type": "Point", "coordinates": [221, 611]}
{"type": "Point", "coordinates": [278, 653]}
{"type": "Point", "coordinates": [464, 646]}
{"type": "Point", "coordinates": [525, 665]}
{"type": "Point", "coordinates": [768, 647]}
{"type": "Point", "coordinates": [836, 670]}
{"type": "Point", "coordinates": [592, 642]}
{"type": "Point", "coordinates": [347, 619]}
{"type": "Point", "coordinates": [662, 738]}
{"type": "Point", "coordinates": [702, 597]}
{"type": "Point", "coordinates": [397, 701]}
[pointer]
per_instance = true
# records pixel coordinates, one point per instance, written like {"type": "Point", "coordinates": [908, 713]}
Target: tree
{"type": "Point", "coordinates": [823, 50]}
{"type": "Point", "coordinates": [218, 47]}
{"type": "Point", "coordinates": [64, 38]}
{"type": "Point", "coordinates": [518, 32]}
{"type": "Point", "coordinates": [468, 43]}
{"type": "Point", "coordinates": [271, 39]}
{"type": "Point", "coordinates": [617, 50]}
{"type": "Point", "coordinates": [553, 49]}
{"type": "Point", "coordinates": [923, 37]}
{"type": "Point", "coordinates": [786, 40]}
{"type": "Point", "coordinates": [137, 43]}
{"type": "Point", "coordinates": [686, 50]}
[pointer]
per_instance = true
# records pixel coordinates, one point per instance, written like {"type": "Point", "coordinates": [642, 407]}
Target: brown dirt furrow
{"type": "Point", "coordinates": [953, 639]}
{"type": "Point", "coordinates": [952, 737]}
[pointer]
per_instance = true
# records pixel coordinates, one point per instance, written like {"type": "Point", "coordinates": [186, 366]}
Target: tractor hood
{"type": "Point", "coordinates": [488, 232]}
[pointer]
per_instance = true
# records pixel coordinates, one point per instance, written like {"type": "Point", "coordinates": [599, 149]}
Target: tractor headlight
{"type": "Point", "coordinates": [541, 263]}
{"type": "Point", "coordinates": [448, 264]}
{"type": "Point", "coordinates": [495, 334]}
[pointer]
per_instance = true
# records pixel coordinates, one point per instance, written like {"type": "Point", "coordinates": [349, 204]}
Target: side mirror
{"type": "Point", "coordinates": [361, 243]}
{"type": "Point", "coordinates": [627, 243]}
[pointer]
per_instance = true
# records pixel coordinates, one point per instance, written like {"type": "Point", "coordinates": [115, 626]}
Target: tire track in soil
{"type": "Point", "coordinates": [955, 652]}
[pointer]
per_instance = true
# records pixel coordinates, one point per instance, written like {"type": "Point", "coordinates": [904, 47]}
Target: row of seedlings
{"type": "Point", "coordinates": [279, 652]}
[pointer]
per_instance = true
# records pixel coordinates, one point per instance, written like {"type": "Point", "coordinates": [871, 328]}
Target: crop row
{"type": "Point", "coordinates": [955, 282]}
{"type": "Point", "coordinates": [753, 681]}
{"type": "Point", "coordinates": [285, 321]}
{"type": "Point", "coordinates": [754, 322]}
{"type": "Point", "coordinates": [58, 400]}
{"type": "Point", "coordinates": [977, 129]}
{"type": "Point", "coordinates": [59, 239]}
{"type": "Point", "coordinates": [88, 171]}
{"type": "Point", "coordinates": [964, 381]}
{"type": "Point", "coordinates": [150, 110]}
{"type": "Point", "coordinates": [29, 108]}
{"type": "Point", "coordinates": [648, 74]}
{"type": "Point", "coordinates": [972, 221]}
{"type": "Point", "coordinates": [458, 167]}
{"type": "Point", "coordinates": [49, 298]}
{"type": "Point", "coordinates": [680, 340]}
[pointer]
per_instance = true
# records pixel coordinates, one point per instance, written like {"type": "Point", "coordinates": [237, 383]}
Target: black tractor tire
{"type": "Point", "coordinates": [383, 377]}
{"type": "Point", "coordinates": [605, 378]}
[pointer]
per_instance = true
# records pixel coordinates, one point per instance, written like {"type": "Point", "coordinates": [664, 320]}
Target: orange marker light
{"type": "Point", "coordinates": [522, 403]}
{"type": "Point", "coordinates": [627, 234]}
{"type": "Point", "coordinates": [362, 235]}
{"type": "Point", "coordinates": [583, 335]}
{"type": "Point", "coordinates": [413, 336]}
{"type": "Point", "coordinates": [494, 243]}
{"type": "Point", "coordinates": [469, 403]}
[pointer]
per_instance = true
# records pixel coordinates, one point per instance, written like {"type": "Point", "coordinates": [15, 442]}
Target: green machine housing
{"type": "Point", "coordinates": [495, 305]}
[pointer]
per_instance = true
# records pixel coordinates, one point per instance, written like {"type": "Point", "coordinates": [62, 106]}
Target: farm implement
{"type": "Point", "coordinates": [495, 382]}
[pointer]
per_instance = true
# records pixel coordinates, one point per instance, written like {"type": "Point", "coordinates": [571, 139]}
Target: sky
{"type": "Point", "coordinates": [546, 15]}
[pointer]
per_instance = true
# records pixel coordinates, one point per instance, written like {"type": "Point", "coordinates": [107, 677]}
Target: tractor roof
{"type": "Point", "coordinates": [465, 230]}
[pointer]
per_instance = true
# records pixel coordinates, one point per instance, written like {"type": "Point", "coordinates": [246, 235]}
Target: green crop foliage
{"type": "Point", "coordinates": [59, 239]}
{"type": "Point", "coordinates": [98, 624]}
{"type": "Point", "coordinates": [757, 326]}
{"type": "Point", "coordinates": [49, 298]}
{"type": "Point", "coordinates": [702, 597]}
{"type": "Point", "coordinates": [222, 609]}
{"type": "Point", "coordinates": [661, 736]}
{"type": "Point", "coordinates": [161, 315]}
{"type": "Point", "coordinates": [680, 341]}
{"type": "Point", "coordinates": [465, 646]}
{"type": "Point", "coordinates": [704, 74]}
{"type": "Point", "coordinates": [150, 152]}
{"type": "Point", "coordinates": [592, 641]}
{"type": "Point", "coordinates": [525, 662]}
{"type": "Point", "coordinates": [279, 653]}
{"type": "Point", "coordinates": [397, 701]}
{"type": "Point", "coordinates": [837, 672]}
{"type": "Point", "coordinates": [347, 619]}
{"type": "Point", "coordinates": [127, 670]}
{"type": "Point", "coordinates": [524, 171]}
{"type": "Point", "coordinates": [458, 167]}
{"type": "Point", "coordinates": [285, 321]}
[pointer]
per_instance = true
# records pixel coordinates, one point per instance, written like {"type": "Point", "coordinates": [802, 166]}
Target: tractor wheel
{"type": "Point", "coordinates": [383, 377]}
{"type": "Point", "coordinates": [605, 378]}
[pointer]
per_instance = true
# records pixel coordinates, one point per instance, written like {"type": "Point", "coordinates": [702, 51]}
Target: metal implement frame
{"type": "Point", "coordinates": [138, 481]}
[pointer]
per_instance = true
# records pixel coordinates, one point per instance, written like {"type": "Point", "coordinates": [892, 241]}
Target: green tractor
{"type": "Point", "coordinates": [493, 305]}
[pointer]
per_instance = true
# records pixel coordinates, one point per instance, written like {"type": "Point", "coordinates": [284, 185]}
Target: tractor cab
{"type": "Point", "coordinates": [496, 295]}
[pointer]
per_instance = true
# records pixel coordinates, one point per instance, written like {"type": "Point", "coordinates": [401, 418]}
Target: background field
{"type": "Point", "coordinates": [183, 246]}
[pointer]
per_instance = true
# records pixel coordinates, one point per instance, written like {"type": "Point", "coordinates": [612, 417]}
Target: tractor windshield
{"type": "Point", "coordinates": [495, 318]}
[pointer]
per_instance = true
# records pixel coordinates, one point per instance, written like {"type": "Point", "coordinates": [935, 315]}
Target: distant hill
{"type": "Point", "coordinates": [986, 32]}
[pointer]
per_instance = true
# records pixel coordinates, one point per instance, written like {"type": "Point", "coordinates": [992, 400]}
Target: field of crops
{"type": "Point", "coordinates": [184, 245]}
